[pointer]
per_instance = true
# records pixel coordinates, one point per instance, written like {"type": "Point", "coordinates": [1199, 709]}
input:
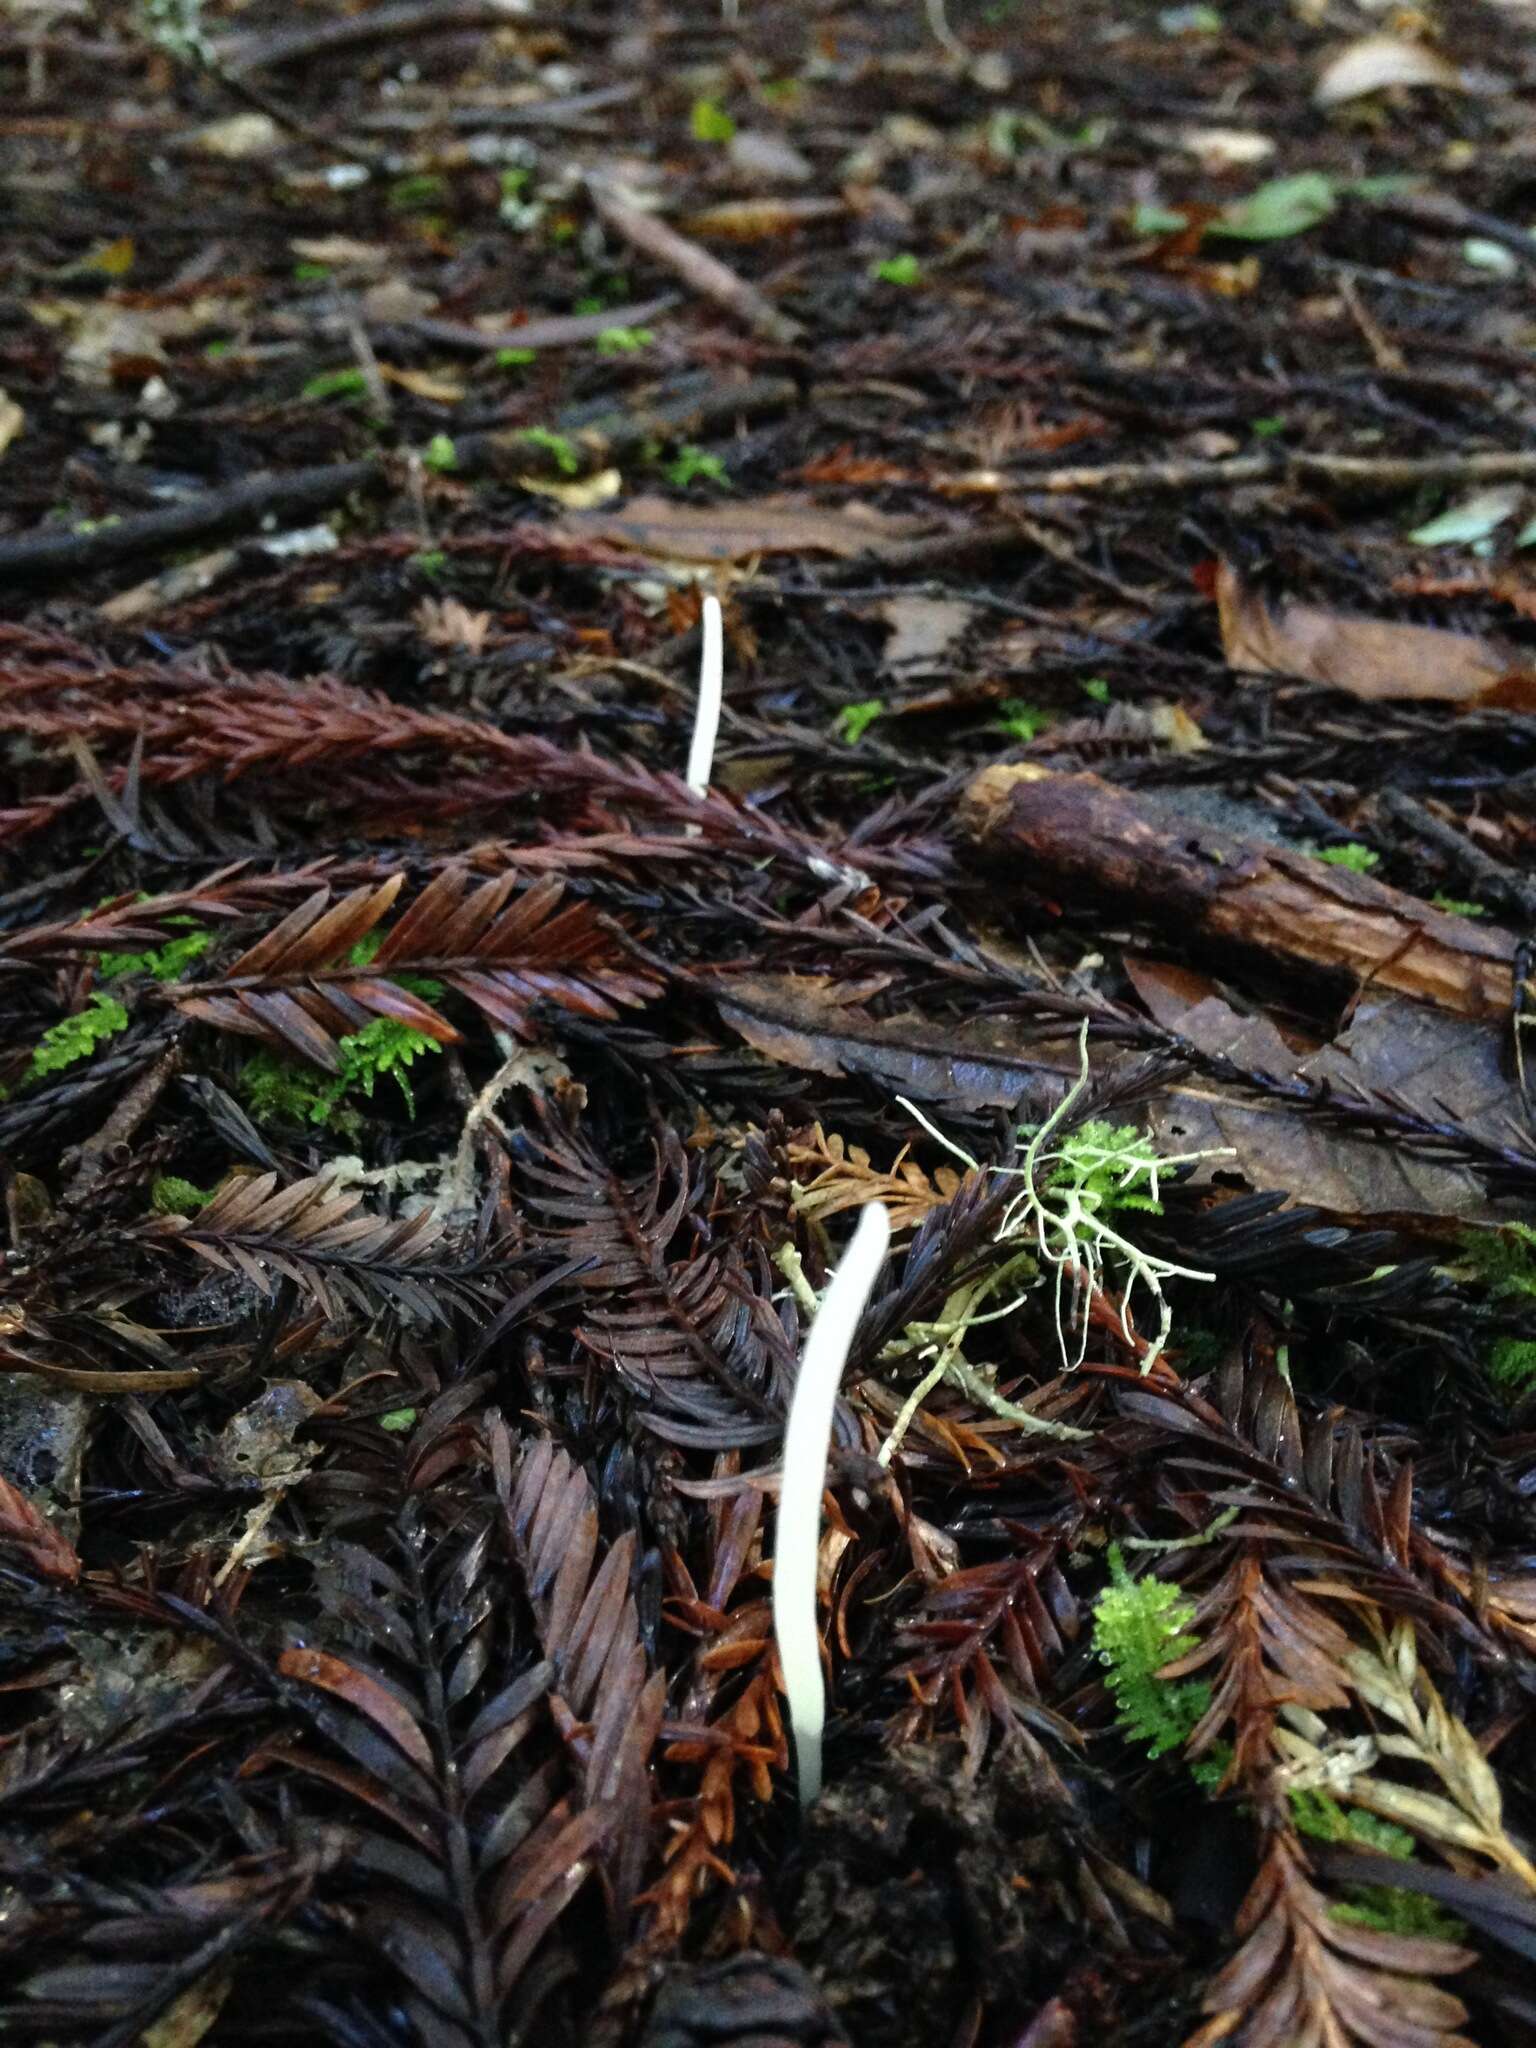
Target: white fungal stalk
{"type": "Point", "coordinates": [797, 1540]}
{"type": "Point", "coordinates": [706, 722]}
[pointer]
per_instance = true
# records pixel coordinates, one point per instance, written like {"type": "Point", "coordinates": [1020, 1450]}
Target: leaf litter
{"type": "Point", "coordinates": [434, 1098]}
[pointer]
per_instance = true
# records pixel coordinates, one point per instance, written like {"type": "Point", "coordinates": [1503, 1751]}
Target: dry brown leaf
{"type": "Point", "coordinates": [445, 622]}
{"type": "Point", "coordinates": [759, 220]}
{"type": "Point", "coordinates": [1374, 659]}
{"type": "Point", "coordinates": [338, 250]}
{"type": "Point", "coordinates": [781, 525]}
{"type": "Point", "coordinates": [428, 384]}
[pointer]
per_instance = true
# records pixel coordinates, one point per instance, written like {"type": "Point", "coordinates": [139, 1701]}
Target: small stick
{"type": "Point", "coordinates": [702, 272]}
{"type": "Point", "coordinates": [1371, 472]}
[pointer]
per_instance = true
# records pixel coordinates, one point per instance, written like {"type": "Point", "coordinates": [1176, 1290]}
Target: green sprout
{"type": "Point", "coordinates": [854, 720]}
{"type": "Point", "coordinates": [336, 384]}
{"type": "Point", "coordinates": [170, 1195]}
{"type": "Point", "coordinates": [710, 122]}
{"type": "Point", "coordinates": [1357, 858]}
{"type": "Point", "coordinates": [562, 451]}
{"type": "Point", "coordinates": [1021, 721]}
{"type": "Point", "coordinates": [624, 341]}
{"type": "Point", "coordinates": [899, 270]}
{"type": "Point", "coordinates": [690, 464]}
{"type": "Point", "coordinates": [440, 454]}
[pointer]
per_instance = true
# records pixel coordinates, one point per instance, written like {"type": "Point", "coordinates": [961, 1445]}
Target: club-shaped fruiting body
{"type": "Point", "coordinates": [797, 1539]}
{"type": "Point", "coordinates": [706, 721]}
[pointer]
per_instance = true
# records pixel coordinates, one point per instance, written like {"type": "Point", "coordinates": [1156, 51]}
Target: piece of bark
{"type": "Point", "coordinates": [1081, 839]}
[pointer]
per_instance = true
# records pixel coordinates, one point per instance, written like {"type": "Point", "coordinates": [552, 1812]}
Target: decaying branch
{"type": "Point", "coordinates": [1081, 839]}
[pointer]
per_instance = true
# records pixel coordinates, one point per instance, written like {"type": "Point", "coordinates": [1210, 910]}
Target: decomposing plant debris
{"type": "Point", "coordinates": [766, 987]}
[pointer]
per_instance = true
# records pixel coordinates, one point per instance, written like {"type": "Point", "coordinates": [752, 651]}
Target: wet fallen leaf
{"type": "Point", "coordinates": [1442, 1065]}
{"type": "Point", "coordinates": [1375, 659]}
{"type": "Point", "coordinates": [731, 533]}
{"type": "Point", "coordinates": [1376, 62]}
{"type": "Point", "coordinates": [801, 1021]}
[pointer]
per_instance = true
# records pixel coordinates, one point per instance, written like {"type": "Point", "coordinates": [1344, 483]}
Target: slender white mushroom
{"type": "Point", "coordinates": [706, 721]}
{"type": "Point", "coordinates": [797, 1539]}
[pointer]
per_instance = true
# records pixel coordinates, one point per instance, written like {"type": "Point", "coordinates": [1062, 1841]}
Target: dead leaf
{"type": "Point", "coordinates": [112, 259]}
{"type": "Point", "coordinates": [781, 525]}
{"type": "Point", "coordinates": [1437, 1063]}
{"type": "Point", "coordinates": [1376, 62]}
{"type": "Point", "coordinates": [762, 157]}
{"type": "Point", "coordinates": [107, 339]}
{"type": "Point", "coordinates": [341, 252]}
{"type": "Point", "coordinates": [922, 629]}
{"type": "Point", "coordinates": [759, 220]}
{"type": "Point", "coordinates": [190, 2015]}
{"type": "Point", "coordinates": [1226, 149]}
{"type": "Point", "coordinates": [394, 300]}
{"type": "Point", "coordinates": [1374, 659]}
{"type": "Point", "coordinates": [12, 420]}
{"type": "Point", "coordinates": [581, 494]}
{"type": "Point", "coordinates": [801, 1021]}
{"type": "Point", "coordinates": [445, 622]}
{"type": "Point", "coordinates": [424, 384]}
{"type": "Point", "coordinates": [240, 136]}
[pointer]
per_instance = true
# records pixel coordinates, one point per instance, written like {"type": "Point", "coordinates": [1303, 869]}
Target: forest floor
{"type": "Point", "coordinates": [428, 1122]}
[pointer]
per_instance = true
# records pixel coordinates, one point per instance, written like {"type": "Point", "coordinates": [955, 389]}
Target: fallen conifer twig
{"type": "Point", "coordinates": [295, 493]}
{"type": "Point", "coordinates": [1083, 838]}
{"type": "Point", "coordinates": [1360, 472]}
{"type": "Point", "coordinates": [700, 271]}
